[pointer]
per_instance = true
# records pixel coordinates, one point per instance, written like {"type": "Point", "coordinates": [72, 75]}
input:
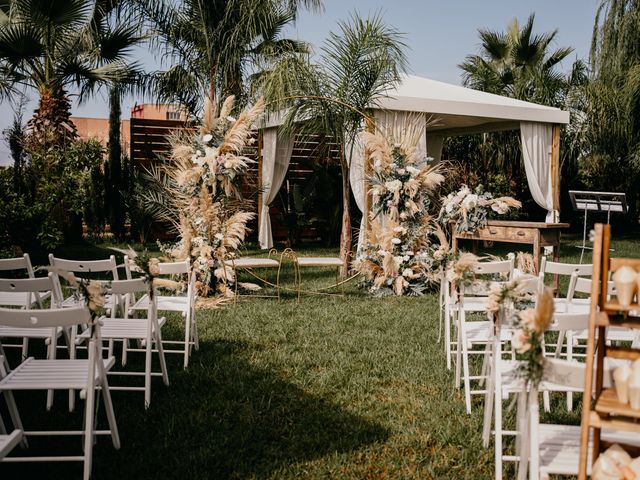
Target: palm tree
{"type": "Point", "coordinates": [215, 45]}
{"type": "Point", "coordinates": [55, 45]}
{"type": "Point", "coordinates": [357, 65]}
{"type": "Point", "coordinates": [608, 106]}
{"type": "Point", "coordinates": [517, 63]}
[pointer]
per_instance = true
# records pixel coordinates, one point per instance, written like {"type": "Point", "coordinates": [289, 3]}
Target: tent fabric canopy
{"type": "Point", "coordinates": [446, 110]}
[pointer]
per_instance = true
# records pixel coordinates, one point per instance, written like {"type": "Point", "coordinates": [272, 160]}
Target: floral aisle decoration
{"type": "Point", "coordinates": [397, 258]}
{"type": "Point", "coordinates": [204, 173]}
{"type": "Point", "coordinates": [470, 210]}
{"type": "Point", "coordinates": [511, 303]}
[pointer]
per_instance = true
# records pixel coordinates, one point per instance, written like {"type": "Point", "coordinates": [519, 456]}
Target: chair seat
{"type": "Point", "coordinates": [319, 262]}
{"type": "Point", "coordinates": [120, 328]}
{"type": "Point", "coordinates": [560, 447]}
{"type": "Point", "coordinates": [477, 332]}
{"type": "Point", "coordinates": [614, 334]}
{"type": "Point", "coordinates": [19, 299]}
{"type": "Point", "coordinates": [471, 304]}
{"type": "Point", "coordinates": [246, 262]}
{"type": "Point", "coordinates": [165, 303]}
{"type": "Point", "coordinates": [17, 332]}
{"type": "Point", "coordinates": [8, 442]}
{"type": "Point", "coordinates": [51, 375]}
{"type": "Point", "coordinates": [577, 305]}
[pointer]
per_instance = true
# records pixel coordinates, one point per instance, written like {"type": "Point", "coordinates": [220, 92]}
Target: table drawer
{"type": "Point", "coordinates": [523, 234]}
{"type": "Point", "coordinates": [491, 232]}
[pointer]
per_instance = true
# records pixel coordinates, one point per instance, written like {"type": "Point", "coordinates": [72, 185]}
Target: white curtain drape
{"type": "Point", "coordinates": [537, 139]}
{"type": "Point", "coordinates": [357, 180]}
{"type": "Point", "coordinates": [434, 146]}
{"type": "Point", "coordinates": [276, 155]}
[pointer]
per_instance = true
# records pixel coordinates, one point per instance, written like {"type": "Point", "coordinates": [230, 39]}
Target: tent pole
{"type": "Point", "coordinates": [555, 167]}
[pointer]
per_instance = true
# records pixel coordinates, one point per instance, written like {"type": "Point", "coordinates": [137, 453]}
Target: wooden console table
{"type": "Point", "coordinates": [537, 234]}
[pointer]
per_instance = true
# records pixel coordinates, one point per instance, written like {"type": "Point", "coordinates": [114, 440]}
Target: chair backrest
{"type": "Point", "coordinates": [86, 266]}
{"type": "Point", "coordinates": [128, 290]}
{"type": "Point", "coordinates": [583, 285]}
{"type": "Point", "coordinates": [174, 268]}
{"type": "Point", "coordinates": [17, 263]}
{"type": "Point", "coordinates": [559, 268]}
{"type": "Point", "coordinates": [32, 286]}
{"type": "Point", "coordinates": [54, 317]}
{"type": "Point", "coordinates": [569, 322]}
{"type": "Point", "coordinates": [494, 267]}
{"type": "Point", "coordinates": [135, 285]}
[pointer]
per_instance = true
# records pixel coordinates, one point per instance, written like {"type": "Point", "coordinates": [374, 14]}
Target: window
{"type": "Point", "coordinates": [173, 115]}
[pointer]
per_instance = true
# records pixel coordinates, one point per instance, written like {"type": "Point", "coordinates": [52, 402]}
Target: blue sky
{"type": "Point", "coordinates": [439, 33]}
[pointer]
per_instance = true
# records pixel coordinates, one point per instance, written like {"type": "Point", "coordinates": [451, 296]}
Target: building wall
{"type": "Point", "coordinates": [98, 128]}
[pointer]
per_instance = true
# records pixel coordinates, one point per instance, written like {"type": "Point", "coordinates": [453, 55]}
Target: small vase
{"type": "Point", "coordinates": [625, 280]}
{"type": "Point", "coordinates": [621, 376]}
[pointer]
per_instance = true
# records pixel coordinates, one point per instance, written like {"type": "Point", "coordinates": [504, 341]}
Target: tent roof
{"type": "Point", "coordinates": [460, 110]}
{"type": "Point", "coordinates": [456, 110]}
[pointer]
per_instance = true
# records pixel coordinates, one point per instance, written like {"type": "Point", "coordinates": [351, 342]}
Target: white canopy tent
{"type": "Point", "coordinates": [447, 110]}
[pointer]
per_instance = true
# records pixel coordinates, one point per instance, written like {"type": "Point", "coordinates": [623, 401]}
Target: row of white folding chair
{"type": "Point", "coordinates": [553, 449]}
{"type": "Point", "coordinates": [473, 299]}
{"type": "Point", "coordinates": [86, 376]}
{"type": "Point", "coordinates": [506, 380]}
{"type": "Point", "coordinates": [15, 299]}
{"type": "Point", "coordinates": [185, 305]}
{"type": "Point", "coordinates": [145, 330]}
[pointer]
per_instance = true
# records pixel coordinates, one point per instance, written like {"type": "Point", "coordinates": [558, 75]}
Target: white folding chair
{"type": "Point", "coordinates": [84, 375]}
{"type": "Point", "coordinates": [27, 288]}
{"type": "Point", "coordinates": [19, 299]}
{"type": "Point", "coordinates": [476, 333]}
{"type": "Point", "coordinates": [184, 304]}
{"type": "Point", "coordinates": [562, 269]}
{"type": "Point", "coordinates": [475, 302]}
{"type": "Point", "coordinates": [80, 268]}
{"type": "Point", "coordinates": [143, 330]}
{"type": "Point", "coordinates": [552, 449]}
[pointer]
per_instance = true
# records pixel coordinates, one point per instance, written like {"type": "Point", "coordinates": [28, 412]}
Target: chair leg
{"type": "Point", "coordinates": [89, 412]}
{"type": "Point", "coordinates": [108, 406]}
{"type": "Point", "coordinates": [465, 372]}
{"type": "Point", "coordinates": [497, 404]}
{"type": "Point", "coordinates": [125, 351]}
{"type": "Point", "coordinates": [25, 348]}
{"type": "Point", "coordinates": [196, 339]}
{"type": "Point", "coordinates": [569, 357]}
{"type": "Point", "coordinates": [458, 360]}
{"type": "Point", "coordinates": [447, 334]}
{"type": "Point", "coordinates": [187, 340]}
{"type": "Point", "coordinates": [163, 363]}
{"type": "Point", "coordinates": [147, 372]}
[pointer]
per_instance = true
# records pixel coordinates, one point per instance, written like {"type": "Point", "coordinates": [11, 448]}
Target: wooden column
{"type": "Point", "coordinates": [555, 166]}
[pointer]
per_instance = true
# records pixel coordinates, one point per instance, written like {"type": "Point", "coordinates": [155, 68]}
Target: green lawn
{"type": "Point", "coordinates": [352, 387]}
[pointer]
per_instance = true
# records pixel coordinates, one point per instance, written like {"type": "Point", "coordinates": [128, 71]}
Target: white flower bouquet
{"type": "Point", "coordinates": [470, 210]}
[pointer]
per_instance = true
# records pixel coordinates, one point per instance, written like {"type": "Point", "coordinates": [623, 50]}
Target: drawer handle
{"type": "Point", "coordinates": [521, 234]}
{"type": "Point", "coordinates": [493, 232]}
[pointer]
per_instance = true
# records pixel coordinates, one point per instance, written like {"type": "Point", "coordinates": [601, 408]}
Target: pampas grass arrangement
{"type": "Point", "coordinates": [398, 256]}
{"type": "Point", "coordinates": [204, 172]}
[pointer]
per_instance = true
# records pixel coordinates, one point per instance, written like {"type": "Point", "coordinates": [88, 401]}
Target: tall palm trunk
{"type": "Point", "coordinates": [114, 187]}
{"type": "Point", "coordinates": [345, 235]}
{"type": "Point", "coordinates": [51, 124]}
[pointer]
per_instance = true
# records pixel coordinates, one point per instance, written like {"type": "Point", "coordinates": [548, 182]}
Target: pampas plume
{"type": "Point", "coordinates": [544, 311]}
